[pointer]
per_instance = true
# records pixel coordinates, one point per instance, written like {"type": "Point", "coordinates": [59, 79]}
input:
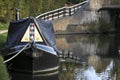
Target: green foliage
{"type": "Point", "coordinates": [27, 8]}
{"type": "Point", "coordinates": [74, 1]}
{"type": "Point", "coordinates": [5, 10]}
{"type": "Point", "coordinates": [3, 70]}
{"type": "Point", "coordinates": [2, 41]}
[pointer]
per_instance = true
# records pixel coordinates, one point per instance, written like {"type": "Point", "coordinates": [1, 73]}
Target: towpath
{"type": "Point", "coordinates": [3, 31]}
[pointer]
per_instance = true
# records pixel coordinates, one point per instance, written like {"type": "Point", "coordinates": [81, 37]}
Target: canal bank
{"type": "Point", "coordinates": [3, 31]}
{"type": "Point", "coordinates": [3, 71]}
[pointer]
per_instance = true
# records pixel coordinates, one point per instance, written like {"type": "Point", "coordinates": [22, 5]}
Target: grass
{"type": "Point", "coordinates": [3, 26]}
{"type": "Point", "coordinates": [2, 40]}
{"type": "Point", "coordinates": [3, 70]}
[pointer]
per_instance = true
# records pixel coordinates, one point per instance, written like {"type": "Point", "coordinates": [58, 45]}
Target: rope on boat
{"type": "Point", "coordinates": [16, 54]}
{"type": "Point", "coordinates": [18, 50]}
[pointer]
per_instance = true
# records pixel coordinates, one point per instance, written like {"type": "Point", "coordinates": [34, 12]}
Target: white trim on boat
{"type": "Point", "coordinates": [46, 49]}
{"type": "Point", "coordinates": [48, 74]}
{"type": "Point", "coordinates": [46, 70]}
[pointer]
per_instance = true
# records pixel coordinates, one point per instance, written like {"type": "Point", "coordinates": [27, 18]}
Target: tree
{"type": "Point", "coordinates": [27, 8]}
{"type": "Point", "coordinates": [74, 1]}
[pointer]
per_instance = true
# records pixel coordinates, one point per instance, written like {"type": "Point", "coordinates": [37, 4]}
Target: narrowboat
{"type": "Point", "coordinates": [30, 47]}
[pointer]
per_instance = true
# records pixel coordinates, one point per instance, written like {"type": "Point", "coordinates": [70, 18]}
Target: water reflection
{"type": "Point", "coordinates": [91, 74]}
{"type": "Point", "coordinates": [85, 45]}
{"type": "Point", "coordinates": [101, 52]}
{"type": "Point", "coordinates": [73, 71]}
{"type": "Point", "coordinates": [68, 70]}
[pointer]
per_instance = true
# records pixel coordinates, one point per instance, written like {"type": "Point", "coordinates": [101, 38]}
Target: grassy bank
{"type": "Point", "coordinates": [2, 40]}
{"type": "Point", "coordinates": [3, 26]}
{"type": "Point", "coordinates": [3, 71]}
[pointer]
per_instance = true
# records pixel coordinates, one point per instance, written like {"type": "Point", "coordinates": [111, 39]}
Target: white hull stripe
{"type": "Point", "coordinates": [47, 70]}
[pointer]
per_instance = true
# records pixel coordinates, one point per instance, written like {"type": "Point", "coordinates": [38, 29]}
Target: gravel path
{"type": "Point", "coordinates": [3, 31]}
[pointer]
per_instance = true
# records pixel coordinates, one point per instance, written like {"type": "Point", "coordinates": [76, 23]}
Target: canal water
{"type": "Point", "coordinates": [100, 54]}
{"type": "Point", "coordinates": [99, 59]}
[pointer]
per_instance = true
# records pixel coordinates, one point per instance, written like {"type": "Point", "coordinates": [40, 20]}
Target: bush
{"type": "Point", "coordinates": [74, 1]}
{"type": "Point", "coordinates": [3, 70]}
{"type": "Point", "coordinates": [2, 40]}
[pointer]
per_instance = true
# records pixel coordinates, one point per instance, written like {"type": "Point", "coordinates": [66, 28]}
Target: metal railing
{"type": "Point", "coordinates": [61, 12]}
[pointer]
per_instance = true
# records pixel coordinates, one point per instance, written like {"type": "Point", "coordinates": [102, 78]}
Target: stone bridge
{"type": "Point", "coordinates": [87, 17]}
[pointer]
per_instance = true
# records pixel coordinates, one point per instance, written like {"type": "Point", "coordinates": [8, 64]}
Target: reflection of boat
{"type": "Point", "coordinates": [31, 47]}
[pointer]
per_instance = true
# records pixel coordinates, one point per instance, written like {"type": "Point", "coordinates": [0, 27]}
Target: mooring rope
{"type": "Point", "coordinates": [16, 54]}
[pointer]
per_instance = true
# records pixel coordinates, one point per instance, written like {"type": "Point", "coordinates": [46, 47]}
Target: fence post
{"type": "Point", "coordinates": [74, 9]}
{"type": "Point", "coordinates": [52, 16]}
{"type": "Point", "coordinates": [44, 17]}
{"type": "Point", "coordinates": [48, 16]}
{"type": "Point", "coordinates": [64, 12]}
{"type": "Point", "coordinates": [69, 11]}
{"type": "Point", "coordinates": [58, 14]}
{"type": "Point", "coordinates": [61, 12]}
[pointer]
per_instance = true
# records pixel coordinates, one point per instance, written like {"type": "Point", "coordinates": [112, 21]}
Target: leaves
{"type": "Point", "coordinates": [28, 7]}
{"type": "Point", "coordinates": [74, 1]}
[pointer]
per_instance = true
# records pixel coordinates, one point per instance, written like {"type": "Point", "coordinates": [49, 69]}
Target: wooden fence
{"type": "Point", "coordinates": [61, 12]}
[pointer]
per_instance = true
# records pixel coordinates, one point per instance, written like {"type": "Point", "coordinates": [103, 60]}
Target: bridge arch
{"type": "Point", "coordinates": [114, 13]}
